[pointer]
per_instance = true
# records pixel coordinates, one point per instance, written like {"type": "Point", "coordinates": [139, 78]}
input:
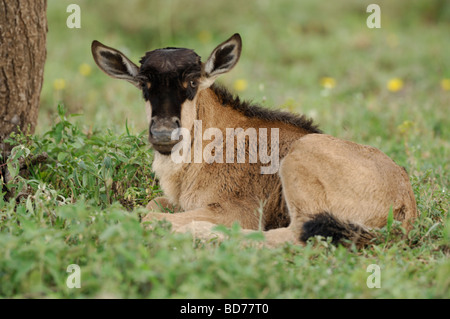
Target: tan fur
{"type": "Point", "coordinates": [322, 180]}
{"type": "Point", "coordinates": [318, 173]}
{"type": "Point", "coordinates": [355, 183]}
{"type": "Point", "coordinates": [188, 112]}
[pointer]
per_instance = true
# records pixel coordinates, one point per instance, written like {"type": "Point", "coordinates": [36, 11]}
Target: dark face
{"type": "Point", "coordinates": [169, 77]}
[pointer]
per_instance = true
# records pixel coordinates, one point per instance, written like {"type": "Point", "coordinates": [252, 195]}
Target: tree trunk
{"type": "Point", "coordinates": [23, 31]}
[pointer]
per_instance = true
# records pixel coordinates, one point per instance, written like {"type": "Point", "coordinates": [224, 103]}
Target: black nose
{"type": "Point", "coordinates": [161, 130]}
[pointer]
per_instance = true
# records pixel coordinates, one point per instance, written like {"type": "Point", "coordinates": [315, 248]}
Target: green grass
{"type": "Point", "coordinates": [83, 205]}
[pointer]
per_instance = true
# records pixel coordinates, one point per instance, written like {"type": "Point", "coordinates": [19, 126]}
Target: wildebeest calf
{"type": "Point", "coordinates": [264, 169]}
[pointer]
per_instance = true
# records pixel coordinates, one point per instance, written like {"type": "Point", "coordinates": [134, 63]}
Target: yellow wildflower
{"type": "Point", "coordinates": [405, 127]}
{"type": "Point", "coordinates": [204, 36]}
{"type": "Point", "coordinates": [445, 84]}
{"type": "Point", "coordinates": [85, 69]}
{"type": "Point", "coordinates": [59, 84]}
{"type": "Point", "coordinates": [395, 85]}
{"type": "Point", "coordinates": [240, 85]}
{"type": "Point", "coordinates": [328, 82]}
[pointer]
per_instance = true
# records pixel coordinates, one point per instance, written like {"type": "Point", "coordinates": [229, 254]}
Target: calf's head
{"type": "Point", "coordinates": [170, 80]}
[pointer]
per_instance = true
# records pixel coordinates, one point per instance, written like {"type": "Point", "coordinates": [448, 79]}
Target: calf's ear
{"type": "Point", "coordinates": [224, 57]}
{"type": "Point", "coordinates": [115, 63]}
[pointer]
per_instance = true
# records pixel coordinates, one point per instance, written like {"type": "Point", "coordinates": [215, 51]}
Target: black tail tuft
{"type": "Point", "coordinates": [327, 225]}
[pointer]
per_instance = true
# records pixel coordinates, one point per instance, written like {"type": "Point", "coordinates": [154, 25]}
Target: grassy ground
{"type": "Point", "coordinates": [385, 87]}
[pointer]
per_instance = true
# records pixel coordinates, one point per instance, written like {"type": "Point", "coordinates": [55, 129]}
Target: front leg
{"type": "Point", "coordinates": [201, 222]}
{"type": "Point", "coordinates": [272, 238]}
{"type": "Point", "coordinates": [216, 213]}
{"type": "Point", "coordinates": [181, 219]}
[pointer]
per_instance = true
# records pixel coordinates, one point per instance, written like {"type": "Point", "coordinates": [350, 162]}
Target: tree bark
{"type": "Point", "coordinates": [23, 32]}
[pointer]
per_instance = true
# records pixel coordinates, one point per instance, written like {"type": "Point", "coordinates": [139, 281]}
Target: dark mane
{"type": "Point", "coordinates": [256, 111]}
